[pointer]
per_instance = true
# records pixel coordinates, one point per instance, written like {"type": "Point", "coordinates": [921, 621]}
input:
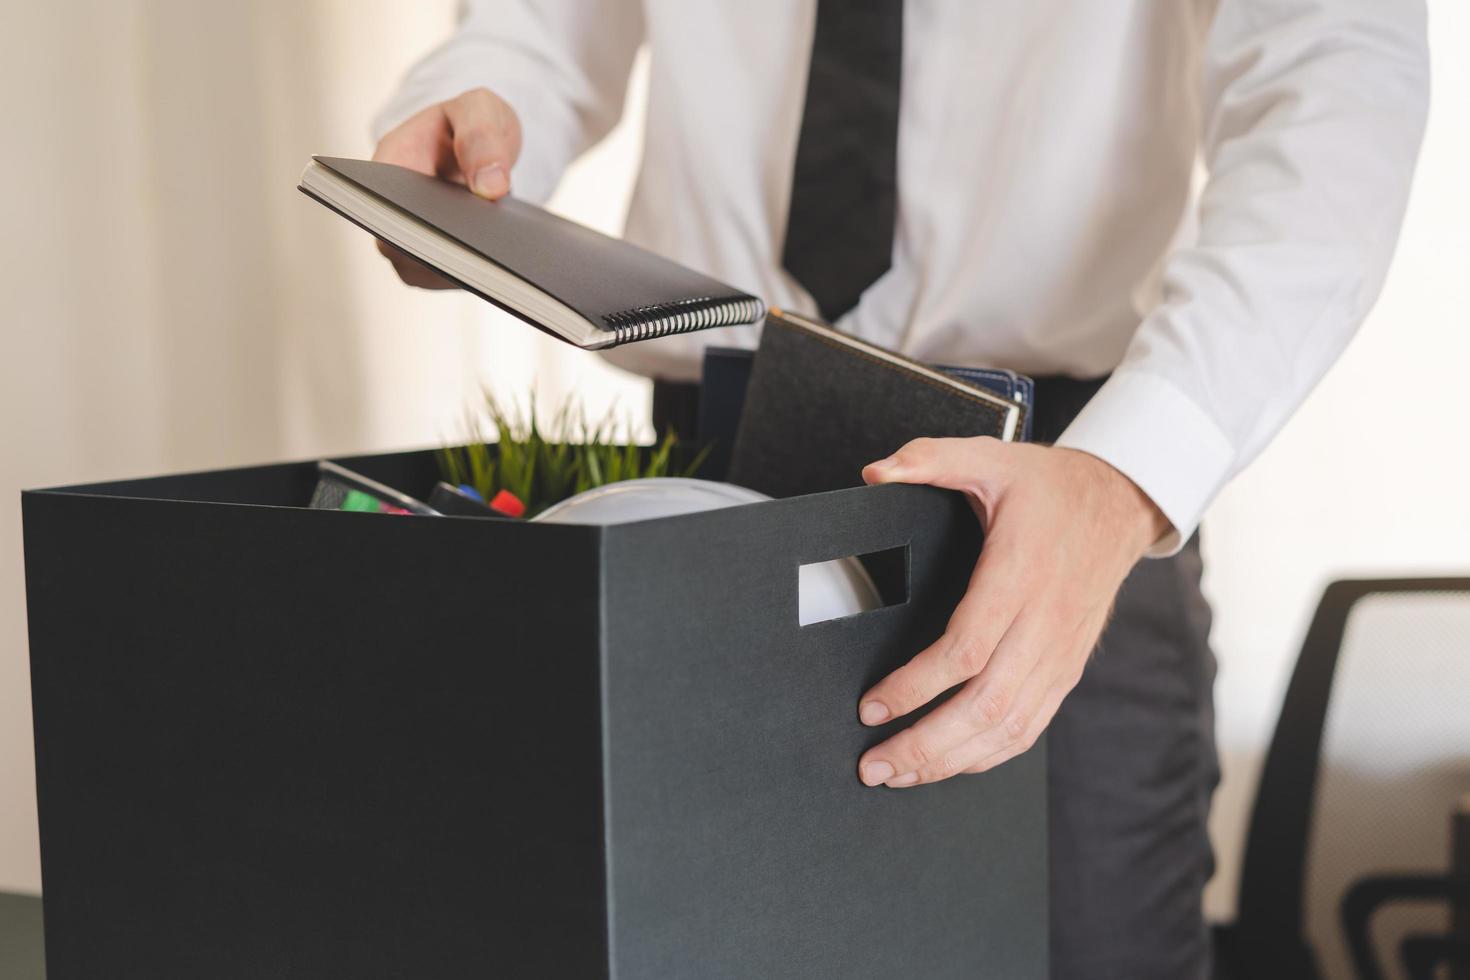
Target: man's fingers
{"type": "Point", "coordinates": [473, 139]}
{"type": "Point", "coordinates": [1043, 716]}
{"type": "Point", "coordinates": [948, 463]}
{"type": "Point", "coordinates": [486, 140]}
{"type": "Point", "coordinates": [420, 143]}
{"type": "Point", "coordinates": [962, 652]}
{"type": "Point", "coordinates": [411, 270]}
{"type": "Point", "coordinates": [995, 707]}
{"type": "Point", "coordinates": [1015, 732]}
{"type": "Point", "coordinates": [983, 616]}
{"type": "Point", "coordinates": [1056, 689]}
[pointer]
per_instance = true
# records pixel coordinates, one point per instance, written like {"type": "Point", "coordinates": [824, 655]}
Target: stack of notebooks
{"type": "Point", "coordinates": [813, 407]}
{"type": "Point", "coordinates": [820, 405]}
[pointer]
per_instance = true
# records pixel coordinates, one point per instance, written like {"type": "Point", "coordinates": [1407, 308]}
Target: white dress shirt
{"type": "Point", "coordinates": [1049, 215]}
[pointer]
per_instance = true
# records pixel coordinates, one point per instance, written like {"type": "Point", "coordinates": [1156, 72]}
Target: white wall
{"type": "Point", "coordinates": [240, 323]}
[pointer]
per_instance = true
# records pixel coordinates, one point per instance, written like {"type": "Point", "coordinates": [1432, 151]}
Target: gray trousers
{"type": "Point", "coordinates": [1132, 769]}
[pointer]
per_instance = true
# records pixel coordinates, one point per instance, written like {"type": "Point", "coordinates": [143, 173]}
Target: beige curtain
{"type": "Point", "coordinates": [172, 302]}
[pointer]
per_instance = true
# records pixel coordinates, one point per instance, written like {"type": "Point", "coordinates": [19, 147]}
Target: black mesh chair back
{"type": "Point", "coordinates": [1367, 767]}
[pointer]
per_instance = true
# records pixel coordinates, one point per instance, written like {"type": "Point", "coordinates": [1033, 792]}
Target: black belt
{"type": "Point", "coordinates": [1058, 400]}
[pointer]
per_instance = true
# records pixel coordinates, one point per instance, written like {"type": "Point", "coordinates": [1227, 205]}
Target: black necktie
{"type": "Point", "coordinates": [844, 195]}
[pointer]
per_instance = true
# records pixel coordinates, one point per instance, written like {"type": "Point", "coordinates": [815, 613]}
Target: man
{"type": "Point", "coordinates": [1009, 184]}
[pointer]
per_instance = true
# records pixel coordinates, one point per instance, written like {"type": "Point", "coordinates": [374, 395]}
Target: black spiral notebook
{"type": "Point", "coordinates": [561, 277]}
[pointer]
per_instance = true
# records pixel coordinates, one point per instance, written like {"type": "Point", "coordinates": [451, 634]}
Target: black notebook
{"type": "Point", "coordinates": [821, 405]}
{"type": "Point", "coordinates": [561, 277]}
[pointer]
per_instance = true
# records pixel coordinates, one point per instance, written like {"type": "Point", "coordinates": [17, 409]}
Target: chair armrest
{"type": "Point", "coordinates": [1367, 894]}
{"type": "Point", "coordinates": [1422, 953]}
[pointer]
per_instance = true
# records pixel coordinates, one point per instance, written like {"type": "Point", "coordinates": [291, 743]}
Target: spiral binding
{"type": "Point", "coordinates": [662, 319]}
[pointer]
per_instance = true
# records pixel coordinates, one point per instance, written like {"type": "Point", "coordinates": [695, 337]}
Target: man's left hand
{"type": "Point", "coordinates": [1062, 530]}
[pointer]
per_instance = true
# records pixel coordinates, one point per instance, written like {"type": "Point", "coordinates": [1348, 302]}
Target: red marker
{"type": "Point", "coordinates": [508, 504]}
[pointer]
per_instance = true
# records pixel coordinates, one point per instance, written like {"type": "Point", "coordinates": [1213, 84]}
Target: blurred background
{"type": "Point", "coordinates": [170, 302]}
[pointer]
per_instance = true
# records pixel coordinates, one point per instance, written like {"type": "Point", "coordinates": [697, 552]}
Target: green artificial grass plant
{"type": "Point", "coordinates": [543, 467]}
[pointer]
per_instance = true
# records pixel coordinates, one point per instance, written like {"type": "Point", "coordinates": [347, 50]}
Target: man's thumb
{"type": "Point", "coordinates": [950, 463]}
{"type": "Point", "coordinates": [487, 140]}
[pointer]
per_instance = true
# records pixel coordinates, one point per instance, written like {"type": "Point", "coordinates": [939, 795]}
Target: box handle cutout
{"type": "Point", "coordinates": [831, 589]}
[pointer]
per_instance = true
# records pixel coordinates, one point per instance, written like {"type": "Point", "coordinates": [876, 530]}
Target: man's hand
{"type": "Point", "coordinates": [473, 139]}
{"type": "Point", "coordinates": [1063, 529]}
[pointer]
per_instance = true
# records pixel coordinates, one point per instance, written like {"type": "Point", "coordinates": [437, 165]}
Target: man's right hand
{"type": "Point", "coordinates": [473, 139]}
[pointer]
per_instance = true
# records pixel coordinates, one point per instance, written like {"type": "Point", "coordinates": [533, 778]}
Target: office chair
{"type": "Point", "coordinates": [1353, 812]}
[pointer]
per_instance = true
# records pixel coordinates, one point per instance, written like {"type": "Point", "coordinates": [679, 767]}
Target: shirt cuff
{"type": "Point", "coordinates": [1162, 440]}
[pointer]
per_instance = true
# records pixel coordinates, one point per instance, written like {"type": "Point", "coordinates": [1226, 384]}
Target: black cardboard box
{"type": "Point", "coordinates": [276, 742]}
